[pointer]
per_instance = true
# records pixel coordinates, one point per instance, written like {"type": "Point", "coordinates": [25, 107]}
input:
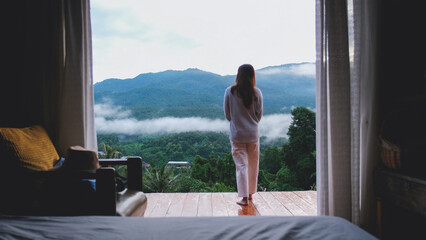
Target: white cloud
{"type": "Point", "coordinates": [132, 126]}
{"type": "Point", "coordinates": [299, 69]}
{"type": "Point", "coordinates": [106, 110]}
{"type": "Point", "coordinates": [113, 119]}
{"type": "Point", "coordinates": [132, 36]}
{"type": "Point", "coordinates": [275, 125]}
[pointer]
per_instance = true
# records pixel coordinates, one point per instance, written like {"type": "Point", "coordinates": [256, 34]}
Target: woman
{"type": "Point", "coordinates": [243, 107]}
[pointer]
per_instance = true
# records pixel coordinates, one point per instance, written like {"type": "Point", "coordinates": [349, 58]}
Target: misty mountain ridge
{"type": "Point", "coordinates": [194, 92]}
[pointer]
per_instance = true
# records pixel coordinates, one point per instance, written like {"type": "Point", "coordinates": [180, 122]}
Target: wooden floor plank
{"type": "Point", "coordinates": [305, 206]}
{"type": "Point", "coordinates": [277, 207]}
{"type": "Point", "coordinates": [231, 206]}
{"type": "Point", "coordinates": [218, 205]}
{"type": "Point", "coordinates": [163, 204]}
{"type": "Point", "coordinates": [292, 204]}
{"type": "Point", "coordinates": [313, 195]}
{"type": "Point", "coordinates": [205, 205]}
{"type": "Point", "coordinates": [176, 205]}
{"type": "Point", "coordinates": [190, 205]}
{"type": "Point", "coordinates": [262, 206]}
{"type": "Point", "coordinates": [298, 203]}
{"type": "Point", "coordinates": [289, 204]}
{"type": "Point", "coordinates": [305, 195]}
{"type": "Point", "coordinates": [152, 199]}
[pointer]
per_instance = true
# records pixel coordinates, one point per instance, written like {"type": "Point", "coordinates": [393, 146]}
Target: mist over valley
{"type": "Point", "coordinates": [191, 100]}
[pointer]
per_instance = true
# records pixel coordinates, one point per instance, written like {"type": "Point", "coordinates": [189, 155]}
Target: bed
{"type": "Point", "coordinates": [241, 227]}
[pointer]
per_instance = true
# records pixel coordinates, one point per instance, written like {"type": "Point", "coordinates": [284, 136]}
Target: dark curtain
{"type": "Point", "coordinates": [47, 77]}
{"type": "Point", "coordinates": [33, 63]}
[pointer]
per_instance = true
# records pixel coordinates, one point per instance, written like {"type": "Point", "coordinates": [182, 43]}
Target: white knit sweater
{"type": "Point", "coordinates": [243, 122]}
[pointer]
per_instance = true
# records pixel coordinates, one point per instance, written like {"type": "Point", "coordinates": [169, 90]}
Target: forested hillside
{"type": "Point", "coordinates": [196, 93]}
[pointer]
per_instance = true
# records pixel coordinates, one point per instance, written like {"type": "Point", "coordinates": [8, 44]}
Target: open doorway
{"type": "Point", "coordinates": [160, 71]}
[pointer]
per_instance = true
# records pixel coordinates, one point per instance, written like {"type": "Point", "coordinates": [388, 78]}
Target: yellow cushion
{"type": "Point", "coordinates": [30, 147]}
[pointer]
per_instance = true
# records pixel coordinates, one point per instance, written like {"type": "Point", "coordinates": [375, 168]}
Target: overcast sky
{"type": "Point", "coordinates": [135, 36]}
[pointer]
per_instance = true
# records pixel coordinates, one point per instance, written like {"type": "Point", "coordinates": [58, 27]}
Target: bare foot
{"type": "Point", "coordinates": [243, 202]}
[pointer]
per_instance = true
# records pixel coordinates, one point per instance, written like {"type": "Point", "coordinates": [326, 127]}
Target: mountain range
{"type": "Point", "coordinates": [197, 93]}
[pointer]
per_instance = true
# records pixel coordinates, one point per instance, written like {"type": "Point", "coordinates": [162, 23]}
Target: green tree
{"type": "Point", "coordinates": [298, 151]}
{"type": "Point", "coordinates": [159, 180]}
{"type": "Point", "coordinates": [199, 169]}
{"type": "Point", "coordinates": [226, 170]}
{"type": "Point", "coordinates": [271, 160]}
{"type": "Point", "coordinates": [109, 139]}
{"type": "Point", "coordinates": [285, 180]}
{"type": "Point", "coordinates": [174, 151]}
{"type": "Point", "coordinates": [221, 187]}
{"type": "Point", "coordinates": [217, 172]}
{"type": "Point", "coordinates": [264, 180]}
{"type": "Point", "coordinates": [109, 151]}
{"type": "Point", "coordinates": [186, 183]}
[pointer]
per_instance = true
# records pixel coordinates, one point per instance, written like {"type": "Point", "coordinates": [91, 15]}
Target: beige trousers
{"type": "Point", "coordinates": [246, 158]}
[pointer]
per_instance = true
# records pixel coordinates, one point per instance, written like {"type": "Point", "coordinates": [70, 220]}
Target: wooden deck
{"type": "Point", "coordinates": [298, 203]}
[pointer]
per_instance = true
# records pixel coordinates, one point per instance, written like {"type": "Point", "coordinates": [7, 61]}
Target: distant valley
{"type": "Point", "coordinates": [197, 93]}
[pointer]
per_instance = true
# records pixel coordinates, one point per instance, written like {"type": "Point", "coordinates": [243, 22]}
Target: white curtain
{"type": "Point", "coordinates": [346, 109]}
{"type": "Point", "coordinates": [76, 100]}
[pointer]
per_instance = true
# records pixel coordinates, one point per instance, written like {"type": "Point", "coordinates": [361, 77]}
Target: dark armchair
{"type": "Point", "coordinates": [83, 185]}
{"type": "Point", "coordinates": [74, 193]}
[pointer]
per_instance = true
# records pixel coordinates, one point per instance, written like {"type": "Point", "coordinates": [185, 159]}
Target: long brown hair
{"type": "Point", "coordinates": [245, 83]}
